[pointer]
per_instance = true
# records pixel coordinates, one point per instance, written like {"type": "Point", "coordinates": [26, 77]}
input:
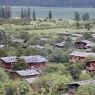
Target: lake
{"type": "Point", "coordinates": [58, 13]}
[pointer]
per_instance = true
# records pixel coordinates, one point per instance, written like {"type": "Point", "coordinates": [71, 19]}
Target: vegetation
{"type": "Point", "coordinates": [21, 37]}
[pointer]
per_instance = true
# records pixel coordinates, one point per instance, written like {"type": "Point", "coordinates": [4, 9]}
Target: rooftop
{"type": "Point", "coordinates": [82, 54]}
{"type": "Point", "coordinates": [84, 82]}
{"type": "Point", "coordinates": [59, 44]}
{"type": "Point", "coordinates": [28, 72]}
{"type": "Point", "coordinates": [30, 80]}
{"type": "Point", "coordinates": [17, 40]}
{"type": "Point", "coordinates": [1, 46]}
{"type": "Point", "coordinates": [89, 43]}
{"type": "Point", "coordinates": [9, 59]}
{"type": "Point", "coordinates": [37, 46]}
{"type": "Point", "coordinates": [34, 59]}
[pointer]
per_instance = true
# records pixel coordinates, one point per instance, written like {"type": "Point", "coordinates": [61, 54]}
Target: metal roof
{"type": "Point", "coordinates": [59, 44]}
{"type": "Point", "coordinates": [28, 72]}
{"type": "Point", "coordinates": [34, 59]}
{"type": "Point", "coordinates": [87, 42]}
{"type": "Point", "coordinates": [84, 82]}
{"type": "Point", "coordinates": [9, 59]}
{"type": "Point", "coordinates": [18, 40]}
{"type": "Point", "coordinates": [82, 54]}
{"type": "Point", "coordinates": [1, 46]}
{"type": "Point", "coordinates": [30, 80]}
{"type": "Point", "coordinates": [37, 46]}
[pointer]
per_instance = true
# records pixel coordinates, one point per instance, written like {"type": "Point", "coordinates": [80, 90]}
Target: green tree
{"type": "Point", "coordinates": [87, 35]}
{"type": "Point", "coordinates": [3, 76]}
{"type": "Point", "coordinates": [88, 89]}
{"type": "Point", "coordinates": [29, 13]}
{"type": "Point", "coordinates": [34, 15]}
{"type": "Point", "coordinates": [86, 18]}
{"type": "Point", "coordinates": [16, 88]}
{"type": "Point", "coordinates": [58, 56]}
{"type": "Point", "coordinates": [68, 43]}
{"type": "Point", "coordinates": [50, 15]}
{"type": "Point", "coordinates": [77, 19]}
{"type": "Point", "coordinates": [3, 52]}
{"type": "Point", "coordinates": [53, 84]}
{"type": "Point", "coordinates": [20, 64]}
{"type": "Point", "coordinates": [22, 13]}
{"type": "Point", "coordinates": [1, 12]}
{"type": "Point", "coordinates": [93, 49]}
{"type": "Point", "coordinates": [7, 12]}
{"type": "Point", "coordinates": [85, 76]}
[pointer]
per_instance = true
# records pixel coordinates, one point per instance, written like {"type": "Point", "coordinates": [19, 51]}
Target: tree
{"type": "Point", "coordinates": [58, 56]}
{"type": "Point", "coordinates": [77, 19]}
{"type": "Point", "coordinates": [16, 87]}
{"type": "Point", "coordinates": [22, 13]}
{"type": "Point", "coordinates": [3, 76]}
{"type": "Point", "coordinates": [29, 13]}
{"type": "Point", "coordinates": [53, 84]}
{"type": "Point", "coordinates": [3, 52]}
{"type": "Point", "coordinates": [88, 89]}
{"type": "Point", "coordinates": [34, 15]}
{"type": "Point", "coordinates": [87, 35]}
{"type": "Point", "coordinates": [93, 49]}
{"type": "Point", "coordinates": [77, 16]}
{"type": "Point", "coordinates": [20, 64]}
{"type": "Point", "coordinates": [1, 12]}
{"type": "Point", "coordinates": [7, 12]}
{"type": "Point", "coordinates": [50, 15]}
{"type": "Point", "coordinates": [85, 76]}
{"type": "Point", "coordinates": [68, 43]}
{"type": "Point", "coordinates": [86, 18]}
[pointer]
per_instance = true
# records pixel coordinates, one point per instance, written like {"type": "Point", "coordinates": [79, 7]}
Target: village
{"type": "Point", "coordinates": [31, 57]}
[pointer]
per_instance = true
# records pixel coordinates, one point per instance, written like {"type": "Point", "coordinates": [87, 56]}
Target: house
{"type": "Point", "coordinates": [7, 62]}
{"type": "Point", "coordinates": [72, 87]}
{"type": "Point", "coordinates": [44, 39]}
{"type": "Point", "coordinates": [30, 80]}
{"type": "Point", "coordinates": [65, 33]}
{"type": "Point", "coordinates": [25, 74]}
{"type": "Point", "coordinates": [59, 45]}
{"type": "Point", "coordinates": [36, 61]}
{"type": "Point", "coordinates": [17, 40]}
{"type": "Point", "coordinates": [90, 65]}
{"type": "Point", "coordinates": [37, 46]}
{"type": "Point", "coordinates": [84, 44]}
{"type": "Point", "coordinates": [2, 46]}
{"type": "Point", "coordinates": [78, 56]}
{"type": "Point", "coordinates": [28, 75]}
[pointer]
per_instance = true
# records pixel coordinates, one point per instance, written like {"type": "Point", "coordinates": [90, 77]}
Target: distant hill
{"type": "Point", "coordinates": [50, 3]}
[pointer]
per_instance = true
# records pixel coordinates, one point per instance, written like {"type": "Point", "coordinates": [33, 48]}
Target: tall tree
{"type": "Point", "coordinates": [50, 15]}
{"type": "Point", "coordinates": [77, 19]}
{"type": "Point", "coordinates": [77, 16]}
{"type": "Point", "coordinates": [20, 65]}
{"type": "Point", "coordinates": [22, 13]}
{"type": "Point", "coordinates": [86, 18]}
{"type": "Point", "coordinates": [29, 13]}
{"type": "Point", "coordinates": [7, 12]}
{"type": "Point", "coordinates": [34, 15]}
{"type": "Point", "coordinates": [1, 12]}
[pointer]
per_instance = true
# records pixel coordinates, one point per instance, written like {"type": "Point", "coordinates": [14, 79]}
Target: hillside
{"type": "Point", "coordinates": [50, 3]}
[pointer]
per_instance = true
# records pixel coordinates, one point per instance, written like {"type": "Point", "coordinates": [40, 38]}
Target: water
{"type": "Point", "coordinates": [58, 13]}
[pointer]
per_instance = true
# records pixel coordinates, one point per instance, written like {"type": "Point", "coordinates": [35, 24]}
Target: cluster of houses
{"type": "Point", "coordinates": [36, 63]}
{"type": "Point", "coordinates": [34, 66]}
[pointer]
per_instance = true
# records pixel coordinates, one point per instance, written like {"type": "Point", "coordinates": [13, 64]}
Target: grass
{"type": "Point", "coordinates": [43, 24]}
